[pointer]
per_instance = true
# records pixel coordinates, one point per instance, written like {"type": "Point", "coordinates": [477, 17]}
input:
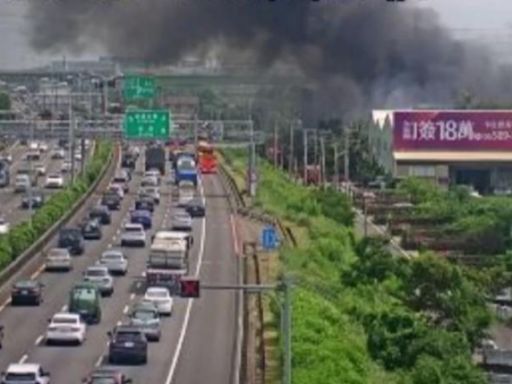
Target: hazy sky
{"type": "Point", "coordinates": [486, 20]}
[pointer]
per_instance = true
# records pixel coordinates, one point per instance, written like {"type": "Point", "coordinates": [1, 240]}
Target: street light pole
{"type": "Point", "coordinates": [346, 159]}
{"type": "Point", "coordinates": [275, 144]}
{"type": "Point", "coordinates": [322, 154]}
{"type": "Point", "coordinates": [305, 154]}
{"type": "Point", "coordinates": [336, 167]}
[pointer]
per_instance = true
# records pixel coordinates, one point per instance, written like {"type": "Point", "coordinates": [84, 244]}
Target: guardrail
{"type": "Point", "coordinates": [29, 255]}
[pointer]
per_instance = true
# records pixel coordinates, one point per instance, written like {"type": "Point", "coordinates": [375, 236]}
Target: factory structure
{"type": "Point", "coordinates": [468, 147]}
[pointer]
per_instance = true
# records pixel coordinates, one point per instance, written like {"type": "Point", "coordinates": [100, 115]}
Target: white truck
{"type": "Point", "coordinates": [168, 260]}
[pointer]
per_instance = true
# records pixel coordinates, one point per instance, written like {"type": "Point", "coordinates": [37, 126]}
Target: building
{"type": "Point", "coordinates": [470, 147]}
{"type": "Point", "coordinates": [181, 107]}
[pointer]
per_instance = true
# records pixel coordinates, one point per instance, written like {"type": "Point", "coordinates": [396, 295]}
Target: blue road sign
{"type": "Point", "coordinates": [269, 238]}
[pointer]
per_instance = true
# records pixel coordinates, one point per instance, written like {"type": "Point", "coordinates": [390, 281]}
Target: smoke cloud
{"type": "Point", "coordinates": [358, 53]}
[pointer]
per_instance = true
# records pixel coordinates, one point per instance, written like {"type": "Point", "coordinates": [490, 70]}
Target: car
{"type": "Point", "coordinates": [117, 189]}
{"type": "Point", "coordinates": [6, 158]}
{"type": "Point", "coordinates": [153, 173]}
{"type": "Point", "coordinates": [27, 292]}
{"type": "Point", "coordinates": [122, 178]}
{"type": "Point", "coordinates": [141, 217]}
{"type": "Point", "coordinates": [58, 259]}
{"type": "Point", "coordinates": [65, 327]}
{"type": "Point", "coordinates": [4, 226]}
{"type": "Point", "coordinates": [152, 192]}
{"type": "Point", "coordinates": [181, 220]}
{"type": "Point", "coordinates": [91, 230]}
{"type": "Point", "coordinates": [43, 147]}
{"type": "Point", "coordinates": [102, 213]}
{"type": "Point", "coordinates": [32, 156]}
{"type": "Point", "coordinates": [71, 239]}
{"type": "Point", "coordinates": [36, 197]}
{"type": "Point", "coordinates": [195, 208]}
{"type": "Point", "coordinates": [58, 154]}
{"type": "Point", "coordinates": [84, 300]}
{"type": "Point", "coordinates": [65, 166]}
{"type": "Point", "coordinates": [149, 181]}
{"type": "Point", "coordinates": [148, 320]}
{"type": "Point", "coordinates": [106, 376]}
{"type": "Point", "coordinates": [161, 297]}
{"type": "Point", "coordinates": [22, 183]}
{"type": "Point", "coordinates": [133, 234]}
{"type": "Point", "coordinates": [127, 343]}
{"type": "Point", "coordinates": [145, 203]}
{"type": "Point", "coordinates": [26, 373]}
{"type": "Point", "coordinates": [78, 155]}
{"type": "Point", "coordinates": [115, 261]}
{"type": "Point", "coordinates": [111, 200]}
{"type": "Point", "coordinates": [99, 276]}
{"type": "Point", "coordinates": [54, 180]}
{"type": "Point", "coordinates": [40, 169]}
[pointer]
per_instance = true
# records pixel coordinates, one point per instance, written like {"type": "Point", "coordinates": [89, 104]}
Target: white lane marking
{"type": "Point", "coordinates": [98, 362]}
{"type": "Point", "coordinates": [23, 358]}
{"type": "Point", "coordinates": [38, 272]}
{"type": "Point", "coordinates": [132, 296]}
{"type": "Point", "coordinates": [126, 308]}
{"type": "Point", "coordinates": [5, 304]}
{"type": "Point", "coordinates": [64, 308]}
{"type": "Point", "coordinates": [139, 284]}
{"type": "Point", "coordinates": [190, 302]}
{"type": "Point", "coordinates": [38, 340]}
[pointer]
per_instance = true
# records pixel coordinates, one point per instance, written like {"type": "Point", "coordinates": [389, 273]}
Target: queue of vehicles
{"type": "Point", "coordinates": [168, 259]}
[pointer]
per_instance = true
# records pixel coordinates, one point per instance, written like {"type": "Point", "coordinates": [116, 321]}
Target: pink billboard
{"type": "Point", "coordinates": [462, 130]}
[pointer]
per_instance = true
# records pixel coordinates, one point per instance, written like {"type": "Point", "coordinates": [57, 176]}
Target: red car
{"type": "Point", "coordinates": [106, 376]}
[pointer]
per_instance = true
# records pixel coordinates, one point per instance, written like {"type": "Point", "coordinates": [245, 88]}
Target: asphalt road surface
{"type": "Point", "coordinates": [198, 340]}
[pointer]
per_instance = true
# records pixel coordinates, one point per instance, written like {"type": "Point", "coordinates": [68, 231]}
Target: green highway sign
{"type": "Point", "coordinates": [147, 124]}
{"type": "Point", "coordinates": [138, 87]}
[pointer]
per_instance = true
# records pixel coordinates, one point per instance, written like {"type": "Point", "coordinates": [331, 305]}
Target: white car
{"type": "Point", "coordinates": [153, 192]}
{"type": "Point", "coordinates": [115, 261]}
{"type": "Point", "coordinates": [54, 181]}
{"type": "Point", "coordinates": [58, 259]}
{"type": "Point", "coordinates": [133, 234]}
{"type": "Point", "coordinates": [58, 153]}
{"type": "Point", "coordinates": [33, 146]}
{"type": "Point", "coordinates": [154, 173]}
{"type": "Point", "coordinates": [161, 298]}
{"type": "Point", "coordinates": [4, 226]}
{"type": "Point", "coordinates": [26, 374]}
{"type": "Point", "coordinates": [117, 189]}
{"type": "Point", "coordinates": [149, 181]}
{"type": "Point", "coordinates": [66, 327]}
{"type": "Point", "coordinates": [78, 156]}
{"type": "Point", "coordinates": [40, 169]}
{"type": "Point", "coordinates": [43, 147]}
{"type": "Point", "coordinates": [100, 276]}
{"type": "Point", "coordinates": [66, 166]}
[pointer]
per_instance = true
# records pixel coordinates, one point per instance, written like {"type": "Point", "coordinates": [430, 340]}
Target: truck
{"type": "Point", "coordinates": [168, 261]}
{"type": "Point", "coordinates": [5, 176]}
{"type": "Point", "coordinates": [186, 170]}
{"type": "Point", "coordinates": [155, 158]}
{"type": "Point", "coordinates": [208, 163]}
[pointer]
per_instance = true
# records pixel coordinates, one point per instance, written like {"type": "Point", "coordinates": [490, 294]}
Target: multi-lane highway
{"type": "Point", "coordinates": [10, 202]}
{"type": "Point", "coordinates": [198, 340]}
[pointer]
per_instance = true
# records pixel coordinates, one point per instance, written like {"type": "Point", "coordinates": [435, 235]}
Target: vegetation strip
{"type": "Point", "coordinates": [360, 314]}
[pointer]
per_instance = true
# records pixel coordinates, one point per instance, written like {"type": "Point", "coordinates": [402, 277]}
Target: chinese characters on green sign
{"type": "Point", "coordinates": [147, 124]}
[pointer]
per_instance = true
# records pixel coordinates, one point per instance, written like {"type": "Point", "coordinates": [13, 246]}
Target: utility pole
{"type": "Point", "coordinates": [305, 154]}
{"type": "Point", "coordinates": [196, 134]}
{"type": "Point", "coordinates": [31, 174]}
{"type": "Point", "coordinates": [72, 142]}
{"type": "Point", "coordinates": [336, 167]}
{"type": "Point", "coordinates": [275, 144]}
{"type": "Point", "coordinates": [322, 154]}
{"type": "Point", "coordinates": [291, 157]}
{"type": "Point", "coordinates": [251, 174]}
{"type": "Point", "coordinates": [315, 147]}
{"type": "Point", "coordinates": [287, 330]}
{"type": "Point", "coordinates": [346, 154]}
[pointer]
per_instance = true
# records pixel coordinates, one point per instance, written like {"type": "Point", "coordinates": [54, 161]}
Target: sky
{"type": "Point", "coordinates": [488, 21]}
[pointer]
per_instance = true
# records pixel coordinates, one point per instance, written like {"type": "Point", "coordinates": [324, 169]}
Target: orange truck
{"type": "Point", "coordinates": [207, 158]}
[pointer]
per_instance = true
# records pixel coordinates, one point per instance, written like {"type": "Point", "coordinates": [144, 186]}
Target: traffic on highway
{"type": "Point", "coordinates": [105, 305]}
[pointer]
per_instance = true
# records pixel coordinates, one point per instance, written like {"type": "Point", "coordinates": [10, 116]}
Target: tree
{"type": "Point", "coordinates": [5, 101]}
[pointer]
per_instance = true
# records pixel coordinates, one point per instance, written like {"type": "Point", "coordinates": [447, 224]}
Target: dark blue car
{"type": "Point", "coordinates": [141, 217]}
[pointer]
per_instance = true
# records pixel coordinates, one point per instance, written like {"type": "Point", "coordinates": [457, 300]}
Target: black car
{"type": "Point", "coordinates": [27, 292]}
{"type": "Point", "coordinates": [101, 213]}
{"type": "Point", "coordinates": [71, 239]}
{"type": "Point", "coordinates": [145, 203]}
{"type": "Point", "coordinates": [127, 344]}
{"type": "Point", "coordinates": [195, 208]}
{"type": "Point", "coordinates": [111, 200]}
{"type": "Point", "coordinates": [91, 230]}
{"type": "Point", "coordinates": [37, 198]}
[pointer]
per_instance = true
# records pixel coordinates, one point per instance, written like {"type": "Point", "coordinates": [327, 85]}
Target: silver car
{"type": "Point", "coordinates": [99, 276]}
{"type": "Point", "coordinates": [149, 181]}
{"type": "Point", "coordinates": [148, 320]}
{"type": "Point", "coordinates": [115, 261]}
{"type": "Point", "coordinates": [152, 192]}
{"type": "Point", "coordinates": [133, 235]}
{"type": "Point", "coordinates": [181, 221]}
{"type": "Point", "coordinates": [58, 259]}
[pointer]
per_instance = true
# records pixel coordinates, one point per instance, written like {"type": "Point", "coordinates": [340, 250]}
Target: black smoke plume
{"type": "Point", "coordinates": [358, 53]}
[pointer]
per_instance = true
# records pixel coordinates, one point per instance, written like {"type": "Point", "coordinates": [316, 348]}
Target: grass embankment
{"type": "Point", "coordinates": [25, 234]}
{"type": "Point", "coordinates": [361, 315]}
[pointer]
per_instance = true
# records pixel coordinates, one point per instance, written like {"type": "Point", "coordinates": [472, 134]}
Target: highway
{"type": "Point", "coordinates": [197, 342]}
{"type": "Point", "coordinates": [10, 201]}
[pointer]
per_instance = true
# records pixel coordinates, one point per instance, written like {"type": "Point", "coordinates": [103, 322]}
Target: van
{"type": "Point", "coordinates": [84, 300]}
